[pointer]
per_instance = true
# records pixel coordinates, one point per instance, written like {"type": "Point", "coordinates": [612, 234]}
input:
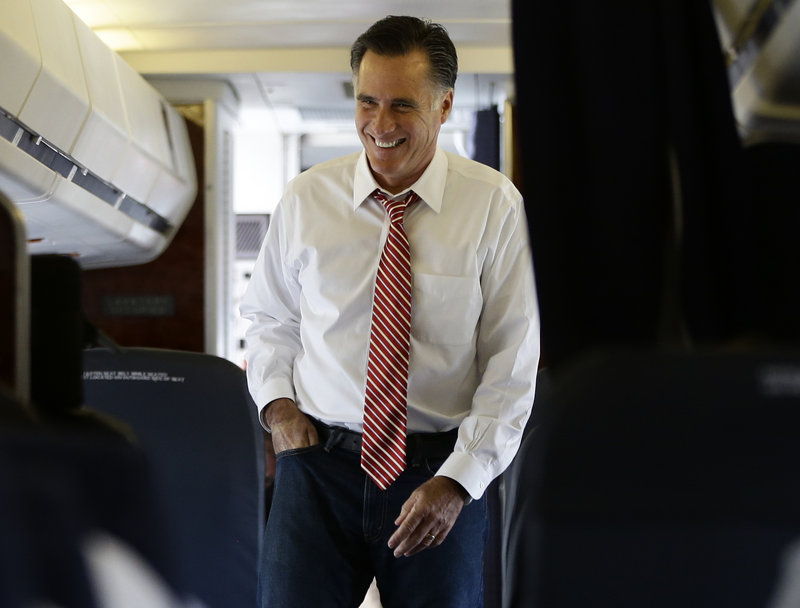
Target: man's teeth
{"type": "Point", "coordinates": [388, 144]}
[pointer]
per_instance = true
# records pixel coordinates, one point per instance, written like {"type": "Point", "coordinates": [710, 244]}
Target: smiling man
{"type": "Point", "coordinates": [398, 116]}
{"type": "Point", "coordinates": [393, 346]}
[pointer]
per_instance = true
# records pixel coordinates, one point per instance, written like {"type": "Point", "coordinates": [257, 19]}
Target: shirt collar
{"type": "Point", "coordinates": [429, 187]}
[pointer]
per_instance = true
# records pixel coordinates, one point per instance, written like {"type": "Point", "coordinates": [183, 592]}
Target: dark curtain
{"type": "Point", "coordinates": [774, 170]}
{"type": "Point", "coordinates": [616, 100]}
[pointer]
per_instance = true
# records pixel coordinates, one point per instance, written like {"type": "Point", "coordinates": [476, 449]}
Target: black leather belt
{"type": "Point", "coordinates": [419, 446]}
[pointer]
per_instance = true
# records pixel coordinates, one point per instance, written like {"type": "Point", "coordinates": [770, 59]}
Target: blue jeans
{"type": "Point", "coordinates": [327, 536]}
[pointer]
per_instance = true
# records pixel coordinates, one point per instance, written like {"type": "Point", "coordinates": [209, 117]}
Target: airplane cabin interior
{"type": "Point", "coordinates": [657, 148]}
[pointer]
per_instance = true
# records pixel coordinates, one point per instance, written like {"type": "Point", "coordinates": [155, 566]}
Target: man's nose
{"type": "Point", "coordinates": [384, 121]}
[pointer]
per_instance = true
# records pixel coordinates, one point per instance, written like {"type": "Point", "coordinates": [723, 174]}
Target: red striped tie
{"type": "Point", "coordinates": [383, 448]}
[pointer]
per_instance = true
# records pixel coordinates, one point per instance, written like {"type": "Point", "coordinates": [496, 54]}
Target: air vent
{"type": "Point", "coordinates": [250, 233]}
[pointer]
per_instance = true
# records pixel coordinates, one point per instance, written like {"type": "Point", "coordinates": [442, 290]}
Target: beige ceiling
{"type": "Point", "coordinates": [278, 45]}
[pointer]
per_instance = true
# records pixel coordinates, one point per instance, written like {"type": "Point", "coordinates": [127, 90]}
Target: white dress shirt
{"type": "Point", "coordinates": [474, 318]}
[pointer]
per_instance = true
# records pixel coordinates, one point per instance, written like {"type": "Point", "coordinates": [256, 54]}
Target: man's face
{"type": "Point", "coordinates": [398, 116]}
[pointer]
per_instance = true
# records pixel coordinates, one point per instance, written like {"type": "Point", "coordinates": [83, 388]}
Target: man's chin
{"type": "Point", "coordinates": [384, 173]}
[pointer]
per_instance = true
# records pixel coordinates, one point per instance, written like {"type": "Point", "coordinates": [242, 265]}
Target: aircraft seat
{"type": "Point", "coordinates": [14, 305]}
{"type": "Point", "coordinates": [67, 493]}
{"type": "Point", "coordinates": [195, 421]}
{"type": "Point", "coordinates": [60, 489]}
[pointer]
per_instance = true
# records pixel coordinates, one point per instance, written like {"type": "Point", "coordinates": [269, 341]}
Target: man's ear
{"type": "Point", "coordinates": [447, 105]}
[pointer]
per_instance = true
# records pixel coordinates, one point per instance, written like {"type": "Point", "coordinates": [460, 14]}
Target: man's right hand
{"type": "Point", "coordinates": [291, 429]}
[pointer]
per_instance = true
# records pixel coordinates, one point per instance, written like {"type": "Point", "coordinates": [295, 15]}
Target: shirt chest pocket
{"type": "Point", "coordinates": [445, 309]}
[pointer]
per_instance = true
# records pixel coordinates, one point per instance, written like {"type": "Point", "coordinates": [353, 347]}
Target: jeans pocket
{"type": "Point", "coordinates": [298, 451]}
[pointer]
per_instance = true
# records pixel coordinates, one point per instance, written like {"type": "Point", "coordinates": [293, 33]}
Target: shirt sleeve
{"type": "Point", "coordinates": [271, 303]}
{"type": "Point", "coordinates": [507, 356]}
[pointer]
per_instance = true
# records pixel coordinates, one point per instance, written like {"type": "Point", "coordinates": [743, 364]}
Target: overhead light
{"type": "Point", "coordinates": [119, 39]}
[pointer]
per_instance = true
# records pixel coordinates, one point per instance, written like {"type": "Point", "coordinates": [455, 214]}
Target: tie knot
{"type": "Point", "coordinates": [395, 206]}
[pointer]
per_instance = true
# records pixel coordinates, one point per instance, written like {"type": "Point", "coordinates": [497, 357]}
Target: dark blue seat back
{"type": "Point", "coordinates": [195, 421]}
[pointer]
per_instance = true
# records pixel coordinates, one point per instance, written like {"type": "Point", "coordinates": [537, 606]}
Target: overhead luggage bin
{"type": "Point", "coordinates": [95, 158]}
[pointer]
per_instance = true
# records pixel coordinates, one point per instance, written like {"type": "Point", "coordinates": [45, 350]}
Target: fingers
{"type": "Point", "coordinates": [426, 518]}
{"type": "Point", "coordinates": [404, 511]}
{"type": "Point", "coordinates": [428, 541]}
{"type": "Point", "coordinates": [423, 529]}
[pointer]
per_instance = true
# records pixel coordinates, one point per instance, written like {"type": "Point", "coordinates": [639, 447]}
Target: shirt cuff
{"type": "Point", "coordinates": [276, 388]}
{"type": "Point", "coordinates": [464, 469]}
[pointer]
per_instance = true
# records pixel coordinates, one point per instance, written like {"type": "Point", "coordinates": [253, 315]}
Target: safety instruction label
{"type": "Point", "coordinates": [132, 376]}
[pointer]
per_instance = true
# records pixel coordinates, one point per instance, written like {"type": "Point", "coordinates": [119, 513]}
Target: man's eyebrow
{"type": "Point", "coordinates": [404, 101]}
